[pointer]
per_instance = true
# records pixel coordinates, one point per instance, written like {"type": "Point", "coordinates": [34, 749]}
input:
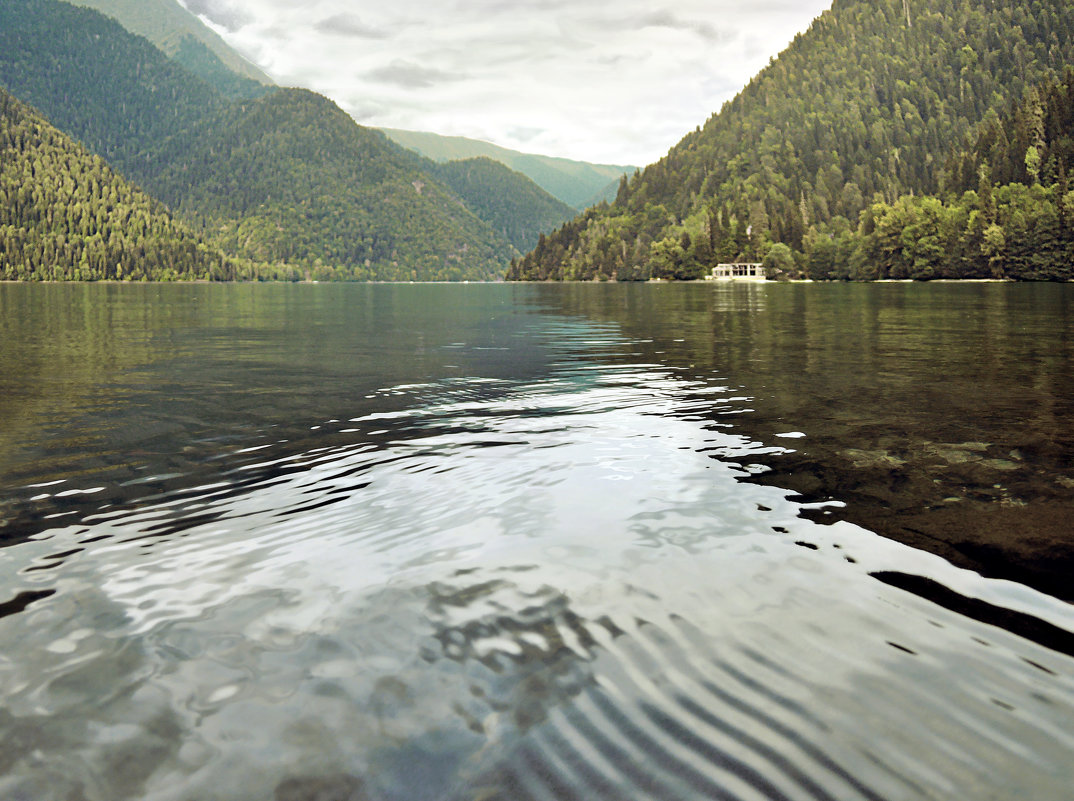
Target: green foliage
{"type": "Point", "coordinates": [1022, 229]}
{"type": "Point", "coordinates": [185, 39]}
{"type": "Point", "coordinates": [861, 108]}
{"type": "Point", "coordinates": [114, 92]}
{"type": "Point", "coordinates": [1033, 142]}
{"type": "Point", "coordinates": [516, 208]}
{"type": "Point", "coordinates": [1028, 236]}
{"type": "Point", "coordinates": [778, 261]}
{"type": "Point", "coordinates": [64, 215]}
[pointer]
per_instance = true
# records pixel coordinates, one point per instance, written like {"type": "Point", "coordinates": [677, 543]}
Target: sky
{"type": "Point", "coordinates": [610, 82]}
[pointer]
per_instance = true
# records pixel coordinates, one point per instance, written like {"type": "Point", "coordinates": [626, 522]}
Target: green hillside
{"type": "Point", "coordinates": [64, 215]}
{"type": "Point", "coordinates": [863, 107]}
{"type": "Point", "coordinates": [292, 178]}
{"type": "Point", "coordinates": [516, 208]}
{"type": "Point", "coordinates": [576, 183]}
{"type": "Point", "coordinates": [606, 195]}
{"type": "Point", "coordinates": [287, 178]}
{"type": "Point", "coordinates": [196, 58]}
{"type": "Point", "coordinates": [184, 37]}
{"type": "Point", "coordinates": [115, 92]}
{"type": "Point", "coordinates": [1016, 222]}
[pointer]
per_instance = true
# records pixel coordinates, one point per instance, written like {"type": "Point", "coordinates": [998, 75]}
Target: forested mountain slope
{"type": "Point", "coordinates": [1033, 142]}
{"type": "Point", "coordinates": [515, 207]}
{"type": "Point", "coordinates": [863, 106]}
{"type": "Point", "coordinates": [197, 59]}
{"type": "Point", "coordinates": [291, 178]}
{"type": "Point", "coordinates": [286, 178]}
{"type": "Point", "coordinates": [1007, 210]}
{"type": "Point", "coordinates": [113, 91]}
{"type": "Point", "coordinates": [64, 215]}
{"type": "Point", "coordinates": [185, 38]}
{"type": "Point", "coordinates": [576, 183]}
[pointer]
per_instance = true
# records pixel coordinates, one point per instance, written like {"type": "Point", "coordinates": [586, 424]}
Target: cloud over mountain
{"type": "Point", "coordinates": [562, 77]}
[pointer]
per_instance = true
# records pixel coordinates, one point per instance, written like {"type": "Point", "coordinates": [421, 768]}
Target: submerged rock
{"type": "Point", "coordinates": [342, 787]}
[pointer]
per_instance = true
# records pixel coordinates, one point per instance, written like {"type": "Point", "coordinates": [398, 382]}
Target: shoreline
{"type": "Point", "coordinates": [650, 281]}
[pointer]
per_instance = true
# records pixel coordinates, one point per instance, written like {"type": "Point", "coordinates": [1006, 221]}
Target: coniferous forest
{"type": "Point", "coordinates": [513, 205]}
{"type": "Point", "coordinates": [1004, 210]}
{"type": "Point", "coordinates": [290, 179]}
{"type": "Point", "coordinates": [187, 41]}
{"type": "Point", "coordinates": [891, 140]}
{"type": "Point", "coordinates": [65, 215]}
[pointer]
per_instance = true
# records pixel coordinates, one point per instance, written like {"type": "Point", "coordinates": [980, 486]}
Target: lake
{"type": "Point", "coordinates": [474, 542]}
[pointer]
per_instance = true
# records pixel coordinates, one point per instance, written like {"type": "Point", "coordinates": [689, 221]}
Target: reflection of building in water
{"type": "Point", "coordinates": [748, 271]}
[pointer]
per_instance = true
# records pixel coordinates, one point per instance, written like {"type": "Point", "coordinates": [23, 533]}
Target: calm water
{"type": "Point", "coordinates": [398, 543]}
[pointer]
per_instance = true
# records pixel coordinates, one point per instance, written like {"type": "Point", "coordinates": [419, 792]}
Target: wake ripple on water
{"type": "Point", "coordinates": [502, 590]}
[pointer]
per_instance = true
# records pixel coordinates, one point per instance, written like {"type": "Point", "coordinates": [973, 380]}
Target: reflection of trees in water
{"type": "Point", "coordinates": [940, 413]}
{"type": "Point", "coordinates": [147, 389]}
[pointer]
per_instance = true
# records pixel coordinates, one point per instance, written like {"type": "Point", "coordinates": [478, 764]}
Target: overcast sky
{"type": "Point", "coordinates": [610, 82]}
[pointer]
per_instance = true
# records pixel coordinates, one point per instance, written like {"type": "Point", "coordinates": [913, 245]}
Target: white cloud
{"type": "Point", "coordinates": [348, 25]}
{"type": "Point", "coordinates": [613, 82]}
{"type": "Point", "coordinates": [408, 75]}
{"type": "Point", "coordinates": [223, 13]}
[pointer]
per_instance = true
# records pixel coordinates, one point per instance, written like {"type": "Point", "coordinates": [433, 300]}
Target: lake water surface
{"type": "Point", "coordinates": [451, 543]}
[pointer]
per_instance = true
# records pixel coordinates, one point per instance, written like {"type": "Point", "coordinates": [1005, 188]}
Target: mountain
{"type": "Point", "coordinates": [515, 207]}
{"type": "Point", "coordinates": [64, 215]}
{"type": "Point", "coordinates": [576, 183]}
{"type": "Point", "coordinates": [185, 38]}
{"type": "Point", "coordinates": [606, 195]}
{"type": "Point", "coordinates": [292, 178]}
{"type": "Point", "coordinates": [196, 58]}
{"type": "Point", "coordinates": [861, 108]}
{"type": "Point", "coordinates": [113, 91]}
{"type": "Point", "coordinates": [287, 178]}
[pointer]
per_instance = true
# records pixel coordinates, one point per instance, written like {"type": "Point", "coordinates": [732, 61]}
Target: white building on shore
{"type": "Point", "coordinates": [739, 271]}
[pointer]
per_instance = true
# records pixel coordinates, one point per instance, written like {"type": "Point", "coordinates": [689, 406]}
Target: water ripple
{"type": "Point", "coordinates": [511, 589]}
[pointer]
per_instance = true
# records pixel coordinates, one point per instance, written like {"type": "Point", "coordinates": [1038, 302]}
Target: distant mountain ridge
{"type": "Point", "coordinates": [191, 44]}
{"type": "Point", "coordinates": [291, 178]}
{"type": "Point", "coordinates": [173, 29]}
{"type": "Point", "coordinates": [515, 207]}
{"type": "Point", "coordinates": [576, 183]}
